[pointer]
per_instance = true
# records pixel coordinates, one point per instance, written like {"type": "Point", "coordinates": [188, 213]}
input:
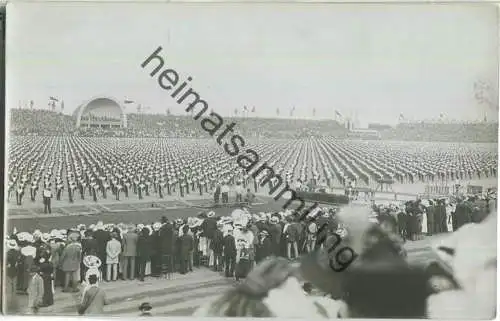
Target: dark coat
{"type": "Point", "coordinates": [144, 246]}
{"type": "Point", "coordinates": [186, 245]}
{"type": "Point", "coordinates": [167, 239]}
{"type": "Point", "coordinates": [89, 246]}
{"type": "Point", "coordinates": [229, 246]}
{"type": "Point", "coordinates": [209, 226]}
{"type": "Point", "coordinates": [264, 248]}
{"type": "Point", "coordinates": [217, 244]}
{"type": "Point", "coordinates": [102, 237]}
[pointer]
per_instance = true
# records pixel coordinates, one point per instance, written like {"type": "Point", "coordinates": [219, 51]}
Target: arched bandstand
{"type": "Point", "coordinates": [101, 112]}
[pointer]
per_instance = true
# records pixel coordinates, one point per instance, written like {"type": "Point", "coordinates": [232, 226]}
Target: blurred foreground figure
{"type": "Point", "coordinates": [471, 252]}
{"type": "Point", "coordinates": [375, 282]}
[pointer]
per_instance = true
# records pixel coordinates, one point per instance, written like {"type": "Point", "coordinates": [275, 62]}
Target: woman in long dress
{"type": "Point", "coordinates": [423, 224]}
{"type": "Point", "coordinates": [47, 271]}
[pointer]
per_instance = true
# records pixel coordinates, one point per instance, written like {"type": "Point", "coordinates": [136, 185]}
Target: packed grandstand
{"type": "Point", "coordinates": [44, 122]}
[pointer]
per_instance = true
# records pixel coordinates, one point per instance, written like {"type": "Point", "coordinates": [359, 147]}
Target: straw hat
{"type": "Point", "coordinates": [29, 238]}
{"type": "Point", "coordinates": [211, 214]}
{"type": "Point", "coordinates": [99, 226]}
{"type": "Point", "coordinates": [28, 251]}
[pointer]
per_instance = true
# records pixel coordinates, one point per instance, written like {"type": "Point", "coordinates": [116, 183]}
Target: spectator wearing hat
{"type": "Point", "coordinates": [155, 249]}
{"type": "Point", "coordinates": [291, 237]}
{"type": "Point", "coordinates": [28, 254]}
{"type": "Point", "coordinates": [129, 253]}
{"type": "Point", "coordinates": [186, 248]}
{"type": "Point", "coordinates": [113, 250]}
{"type": "Point", "coordinates": [47, 196]}
{"type": "Point", "coordinates": [12, 259]}
{"type": "Point", "coordinates": [102, 237]}
{"type": "Point", "coordinates": [143, 251]}
{"type": "Point", "coordinates": [35, 291]}
{"type": "Point", "coordinates": [264, 247]}
{"type": "Point", "coordinates": [89, 247]}
{"type": "Point", "coordinates": [217, 246]}
{"type": "Point", "coordinates": [70, 262]}
{"type": "Point", "coordinates": [275, 234]}
{"type": "Point", "coordinates": [145, 309]}
{"type": "Point", "coordinates": [47, 272]}
{"type": "Point", "coordinates": [229, 253]}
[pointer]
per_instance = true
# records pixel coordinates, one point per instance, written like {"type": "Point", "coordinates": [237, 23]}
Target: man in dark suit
{"type": "Point", "coordinates": [102, 237]}
{"type": "Point", "coordinates": [186, 247]}
{"type": "Point", "coordinates": [229, 253]}
{"type": "Point", "coordinates": [217, 246]}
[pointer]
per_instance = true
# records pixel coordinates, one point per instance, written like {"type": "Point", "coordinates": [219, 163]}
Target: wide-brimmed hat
{"type": "Point", "coordinates": [319, 267]}
{"type": "Point", "coordinates": [28, 251]}
{"type": "Point", "coordinates": [211, 214]}
{"type": "Point", "coordinates": [11, 244]}
{"type": "Point", "coordinates": [99, 226]}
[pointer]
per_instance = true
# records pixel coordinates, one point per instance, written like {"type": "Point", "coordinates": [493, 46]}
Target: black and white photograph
{"type": "Point", "coordinates": [286, 160]}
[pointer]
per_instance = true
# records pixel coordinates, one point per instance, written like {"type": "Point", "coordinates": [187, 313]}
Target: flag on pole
{"type": "Point", "coordinates": [62, 105]}
{"type": "Point", "coordinates": [32, 103]}
{"type": "Point", "coordinates": [253, 109]}
{"type": "Point", "coordinates": [52, 98]}
{"type": "Point", "coordinates": [128, 101]}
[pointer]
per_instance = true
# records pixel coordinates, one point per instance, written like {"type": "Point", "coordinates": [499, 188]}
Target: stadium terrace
{"type": "Point", "coordinates": [169, 79]}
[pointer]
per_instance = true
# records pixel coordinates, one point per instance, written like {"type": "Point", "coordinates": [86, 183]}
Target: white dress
{"type": "Point", "coordinates": [424, 223]}
{"type": "Point", "coordinates": [449, 221]}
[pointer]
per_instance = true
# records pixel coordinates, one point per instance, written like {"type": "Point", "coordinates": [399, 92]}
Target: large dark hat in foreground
{"type": "Point", "coordinates": [145, 307]}
{"type": "Point", "coordinates": [378, 282]}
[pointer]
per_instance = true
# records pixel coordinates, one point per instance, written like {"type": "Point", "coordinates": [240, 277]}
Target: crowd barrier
{"type": "Point", "coordinates": [323, 198]}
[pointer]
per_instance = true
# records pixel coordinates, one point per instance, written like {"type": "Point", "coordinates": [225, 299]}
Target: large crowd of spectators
{"type": "Point", "coordinates": [44, 122]}
{"type": "Point", "coordinates": [39, 261]}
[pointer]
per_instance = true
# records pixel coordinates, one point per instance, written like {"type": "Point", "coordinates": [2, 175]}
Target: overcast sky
{"type": "Point", "coordinates": [373, 61]}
